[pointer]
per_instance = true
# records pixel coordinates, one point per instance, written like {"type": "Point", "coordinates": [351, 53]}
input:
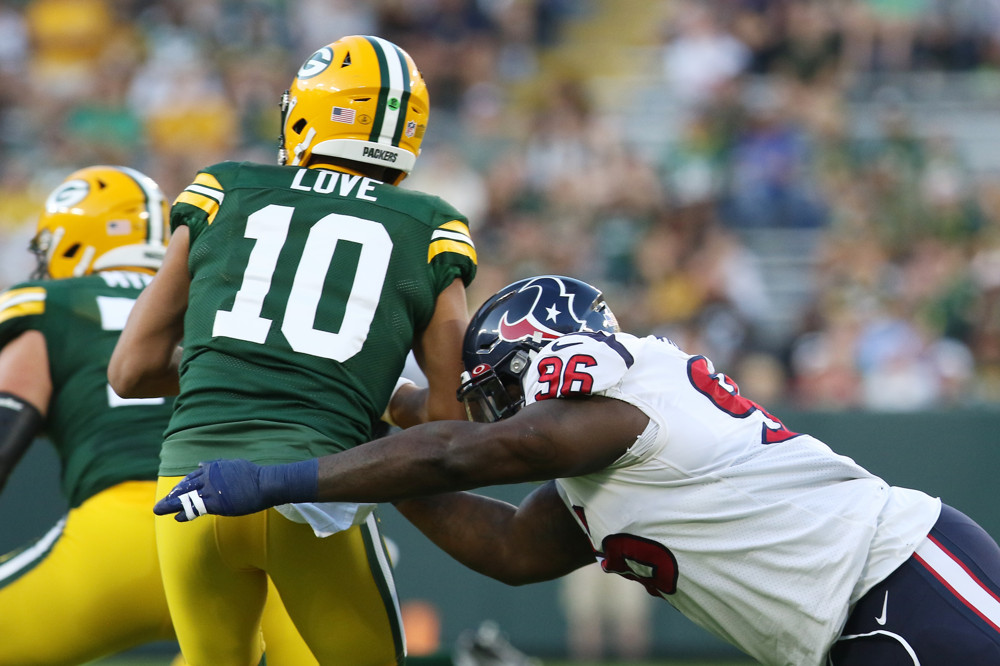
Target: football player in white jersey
{"type": "Point", "coordinates": [659, 468]}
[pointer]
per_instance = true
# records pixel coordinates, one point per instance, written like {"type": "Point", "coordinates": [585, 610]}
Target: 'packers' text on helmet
{"type": "Point", "coordinates": [101, 217]}
{"type": "Point", "coordinates": [506, 332]}
{"type": "Point", "coordinates": [360, 98]}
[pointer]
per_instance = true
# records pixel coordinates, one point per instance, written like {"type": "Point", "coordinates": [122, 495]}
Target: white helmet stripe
{"type": "Point", "coordinates": [397, 84]}
{"type": "Point", "coordinates": [154, 204]}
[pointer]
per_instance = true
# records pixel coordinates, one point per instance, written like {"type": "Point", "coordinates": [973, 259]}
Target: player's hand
{"type": "Point", "coordinates": [238, 488]}
{"type": "Point", "coordinates": [218, 487]}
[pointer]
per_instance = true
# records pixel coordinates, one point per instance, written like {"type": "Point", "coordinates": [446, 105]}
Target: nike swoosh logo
{"type": "Point", "coordinates": [885, 602]}
{"type": "Point", "coordinates": [559, 344]}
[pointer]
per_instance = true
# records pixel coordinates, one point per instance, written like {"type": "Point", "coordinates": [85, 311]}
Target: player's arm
{"type": "Point", "coordinates": [536, 541]}
{"type": "Point", "coordinates": [438, 353]}
{"type": "Point", "coordinates": [546, 440]}
{"type": "Point", "coordinates": [25, 390]}
{"type": "Point", "coordinates": [145, 360]}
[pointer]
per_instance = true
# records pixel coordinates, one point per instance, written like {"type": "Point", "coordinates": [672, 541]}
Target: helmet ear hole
{"type": "Point", "coordinates": [299, 125]}
{"type": "Point", "coordinates": [71, 251]}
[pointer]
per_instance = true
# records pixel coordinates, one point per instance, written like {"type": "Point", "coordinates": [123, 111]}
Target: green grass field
{"type": "Point", "coordinates": [153, 661]}
{"type": "Point", "coordinates": [438, 661]}
{"type": "Point", "coordinates": [163, 654]}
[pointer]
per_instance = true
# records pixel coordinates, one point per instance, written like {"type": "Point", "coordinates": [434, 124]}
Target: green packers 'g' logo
{"type": "Point", "coordinates": [393, 103]}
{"type": "Point", "coordinates": [316, 63]}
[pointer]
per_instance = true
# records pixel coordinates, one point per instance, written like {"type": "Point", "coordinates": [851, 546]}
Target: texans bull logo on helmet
{"type": "Point", "coordinates": [546, 319]}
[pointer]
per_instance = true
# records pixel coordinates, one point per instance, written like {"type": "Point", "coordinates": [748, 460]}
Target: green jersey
{"type": "Point", "coordinates": [101, 439]}
{"type": "Point", "coordinates": [308, 288]}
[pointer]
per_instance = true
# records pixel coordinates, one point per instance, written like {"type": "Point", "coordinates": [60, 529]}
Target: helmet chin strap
{"type": "Point", "coordinates": [303, 146]}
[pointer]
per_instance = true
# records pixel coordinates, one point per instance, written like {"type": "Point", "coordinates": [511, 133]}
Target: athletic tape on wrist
{"type": "Point", "coordinates": [193, 505]}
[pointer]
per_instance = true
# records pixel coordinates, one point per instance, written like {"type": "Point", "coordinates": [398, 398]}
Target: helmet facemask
{"type": "Point", "coordinates": [490, 395]}
{"type": "Point", "coordinates": [42, 245]}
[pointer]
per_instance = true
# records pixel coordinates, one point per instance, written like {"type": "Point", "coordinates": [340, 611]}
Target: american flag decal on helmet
{"type": "Point", "coordinates": [118, 227]}
{"type": "Point", "coordinates": [342, 115]}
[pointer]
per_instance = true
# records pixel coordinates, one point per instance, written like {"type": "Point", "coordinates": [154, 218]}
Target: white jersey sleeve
{"type": "Point", "coordinates": [722, 510]}
{"type": "Point", "coordinates": [577, 364]}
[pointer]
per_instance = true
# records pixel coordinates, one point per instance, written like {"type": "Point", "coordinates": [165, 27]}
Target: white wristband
{"type": "Point", "coordinates": [400, 383]}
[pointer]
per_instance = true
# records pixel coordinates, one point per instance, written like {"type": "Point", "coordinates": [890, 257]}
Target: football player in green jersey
{"type": "Point", "coordinates": [91, 586]}
{"type": "Point", "coordinates": [299, 290]}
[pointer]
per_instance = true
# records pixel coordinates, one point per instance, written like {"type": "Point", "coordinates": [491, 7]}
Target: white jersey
{"type": "Point", "coordinates": [763, 536]}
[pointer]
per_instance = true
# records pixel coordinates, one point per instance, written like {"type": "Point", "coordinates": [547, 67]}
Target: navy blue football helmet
{"type": "Point", "coordinates": [511, 326]}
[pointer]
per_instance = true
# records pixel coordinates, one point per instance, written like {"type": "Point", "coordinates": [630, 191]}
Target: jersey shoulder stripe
{"type": "Point", "coordinates": [205, 193]}
{"type": "Point", "coordinates": [22, 302]}
{"type": "Point", "coordinates": [455, 227]}
{"type": "Point", "coordinates": [454, 237]}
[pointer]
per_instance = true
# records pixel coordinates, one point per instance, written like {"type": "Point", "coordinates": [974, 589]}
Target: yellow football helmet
{"type": "Point", "coordinates": [101, 217]}
{"type": "Point", "coordinates": [360, 98]}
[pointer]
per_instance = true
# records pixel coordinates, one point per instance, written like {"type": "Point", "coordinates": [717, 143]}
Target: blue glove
{"type": "Point", "coordinates": [238, 488]}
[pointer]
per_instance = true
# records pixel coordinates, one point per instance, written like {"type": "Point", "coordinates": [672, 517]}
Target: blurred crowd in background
{"type": "Point", "coordinates": [801, 190]}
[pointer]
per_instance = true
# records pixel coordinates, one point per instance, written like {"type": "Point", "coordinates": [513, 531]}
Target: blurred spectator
{"type": "Point", "coordinates": [67, 39]}
{"type": "Point", "coordinates": [881, 33]}
{"type": "Point", "coordinates": [771, 184]}
{"type": "Point", "coordinates": [605, 617]}
{"type": "Point", "coordinates": [13, 51]}
{"type": "Point", "coordinates": [699, 54]}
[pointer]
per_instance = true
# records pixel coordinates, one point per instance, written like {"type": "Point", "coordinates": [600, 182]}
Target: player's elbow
{"type": "Point", "coordinates": [520, 578]}
{"type": "Point", "coordinates": [518, 570]}
{"type": "Point", "coordinates": [149, 375]}
{"type": "Point", "coordinates": [123, 377]}
{"type": "Point", "coordinates": [129, 379]}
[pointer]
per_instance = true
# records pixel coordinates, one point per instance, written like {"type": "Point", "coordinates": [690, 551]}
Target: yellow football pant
{"type": "Point", "coordinates": [91, 587]}
{"type": "Point", "coordinates": [337, 590]}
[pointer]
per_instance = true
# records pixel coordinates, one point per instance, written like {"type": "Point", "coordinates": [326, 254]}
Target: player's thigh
{"type": "Point", "coordinates": [215, 585]}
{"type": "Point", "coordinates": [338, 590]}
{"type": "Point", "coordinates": [90, 587]}
{"type": "Point", "coordinates": [283, 644]}
{"type": "Point", "coordinates": [938, 607]}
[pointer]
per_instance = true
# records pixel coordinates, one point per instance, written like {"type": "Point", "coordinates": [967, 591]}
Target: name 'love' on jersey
{"type": "Point", "coordinates": [308, 288]}
{"type": "Point", "coordinates": [101, 439]}
{"type": "Point", "coordinates": [722, 510]}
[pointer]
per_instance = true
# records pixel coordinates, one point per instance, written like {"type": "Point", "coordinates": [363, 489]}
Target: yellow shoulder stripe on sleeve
{"type": "Point", "coordinates": [208, 180]}
{"type": "Point", "coordinates": [207, 204]}
{"type": "Point", "coordinates": [22, 302]}
{"type": "Point", "coordinates": [456, 225]}
{"type": "Point", "coordinates": [448, 245]}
